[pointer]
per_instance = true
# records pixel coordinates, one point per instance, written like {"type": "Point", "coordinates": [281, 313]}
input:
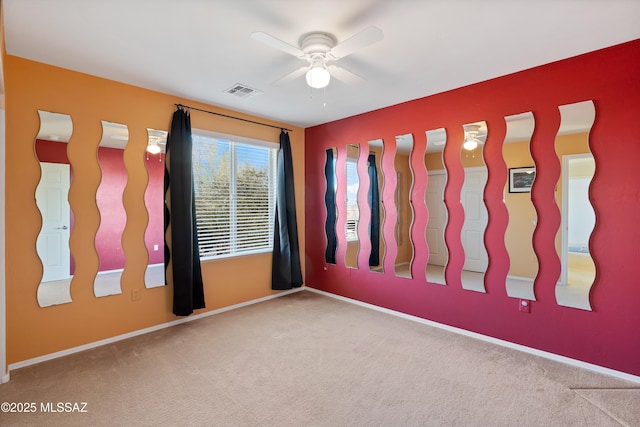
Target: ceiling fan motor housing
{"type": "Point", "coordinates": [472, 130]}
{"type": "Point", "coordinates": [317, 44]}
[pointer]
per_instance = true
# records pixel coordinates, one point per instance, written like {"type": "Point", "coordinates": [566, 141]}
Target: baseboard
{"type": "Point", "coordinates": [128, 335]}
{"type": "Point", "coordinates": [523, 279]}
{"type": "Point", "coordinates": [4, 378]}
{"type": "Point", "coordinates": [547, 355]}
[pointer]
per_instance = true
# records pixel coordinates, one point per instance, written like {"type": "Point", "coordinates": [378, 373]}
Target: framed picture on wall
{"type": "Point", "coordinates": [521, 179]}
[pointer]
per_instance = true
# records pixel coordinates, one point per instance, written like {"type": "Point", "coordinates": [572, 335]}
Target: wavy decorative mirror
{"type": "Point", "coordinates": [353, 212]}
{"type": "Point", "coordinates": [404, 207]}
{"type": "Point", "coordinates": [330, 206]}
{"type": "Point", "coordinates": [113, 217]}
{"type": "Point", "coordinates": [374, 198]}
{"type": "Point", "coordinates": [578, 218]}
{"type": "Point", "coordinates": [52, 200]}
{"type": "Point", "coordinates": [434, 199]}
{"type": "Point", "coordinates": [523, 263]}
{"type": "Point", "coordinates": [154, 202]}
{"type": "Point", "coordinates": [476, 218]}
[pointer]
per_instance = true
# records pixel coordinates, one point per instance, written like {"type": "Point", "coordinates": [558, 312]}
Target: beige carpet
{"type": "Point", "coordinates": [309, 360]}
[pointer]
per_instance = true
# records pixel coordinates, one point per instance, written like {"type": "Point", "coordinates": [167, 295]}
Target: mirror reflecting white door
{"type": "Point", "coordinates": [52, 200]}
{"type": "Point", "coordinates": [434, 199]}
{"type": "Point", "coordinates": [476, 217]}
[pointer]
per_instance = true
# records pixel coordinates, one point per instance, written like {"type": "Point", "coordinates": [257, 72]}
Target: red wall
{"type": "Point", "coordinates": [113, 217]}
{"type": "Point", "coordinates": [607, 336]}
{"type": "Point", "coordinates": [109, 200]}
{"type": "Point", "coordinates": [154, 201]}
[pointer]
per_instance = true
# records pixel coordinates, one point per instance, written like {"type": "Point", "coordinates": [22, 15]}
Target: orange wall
{"type": "Point", "coordinates": [404, 209]}
{"type": "Point", "coordinates": [3, 329]}
{"type": "Point", "coordinates": [33, 331]}
{"type": "Point", "coordinates": [522, 215]}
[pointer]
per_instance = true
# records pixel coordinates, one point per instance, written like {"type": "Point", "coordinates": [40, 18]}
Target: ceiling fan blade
{"type": "Point", "coordinates": [291, 76]}
{"type": "Point", "coordinates": [275, 43]}
{"type": "Point", "coordinates": [358, 41]}
{"type": "Point", "coordinates": [345, 76]}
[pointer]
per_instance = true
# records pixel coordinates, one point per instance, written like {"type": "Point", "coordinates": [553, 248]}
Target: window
{"type": "Point", "coordinates": [235, 189]}
{"type": "Point", "coordinates": [353, 213]}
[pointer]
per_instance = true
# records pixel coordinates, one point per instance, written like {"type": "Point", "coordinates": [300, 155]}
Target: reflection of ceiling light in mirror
{"type": "Point", "coordinates": [470, 144]}
{"type": "Point", "coordinates": [471, 136]}
{"type": "Point", "coordinates": [153, 148]}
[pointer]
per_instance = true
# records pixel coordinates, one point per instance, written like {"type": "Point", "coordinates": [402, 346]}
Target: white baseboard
{"type": "Point", "coordinates": [111, 340]}
{"type": "Point", "coordinates": [547, 355]}
{"type": "Point", "coordinates": [522, 279]}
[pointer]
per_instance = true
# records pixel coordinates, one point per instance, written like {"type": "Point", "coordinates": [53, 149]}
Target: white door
{"type": "Point", "coordinates": [434, 199]}
{"type": "Point", "coordinates": [475, 220]}
{"type": "Point", "coordinates": [53, 240]}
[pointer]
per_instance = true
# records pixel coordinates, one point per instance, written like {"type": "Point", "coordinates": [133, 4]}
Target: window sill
{"type": "Point", "coordinates": [236, 255]}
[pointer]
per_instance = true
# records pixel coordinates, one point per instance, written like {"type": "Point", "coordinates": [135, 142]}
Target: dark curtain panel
{"type": "Point", "coordinates": [188, 293]}
{"type": "Point", "coordinates": [374, 203]}
{"type": "Point", "coordinates": [167, 215]}
{"type": "Point", "coordinates": [286, 272]}
{"type": "Point", "coordinates": [330, 203]}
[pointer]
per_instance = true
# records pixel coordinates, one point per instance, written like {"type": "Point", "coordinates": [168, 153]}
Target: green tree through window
{"type": "Point", "coordinates": [235, 196]}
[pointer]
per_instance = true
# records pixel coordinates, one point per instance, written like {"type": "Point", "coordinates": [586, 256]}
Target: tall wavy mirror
{"type": "Point", "coordinates": [374, 198]}
{"type": "Point", "coordinates": [52, 192]}
{"type": "Point", "coordinates": [113, 217]}
{"type": "Point", "coordinates": [476, 259]}
{"type": "Point", "coordinates": [330, 206]}
{"type": "Point", "coordinates": [434, 199]}
{"type": "Point", "coordinates": [404, 208]}
{"type": "Point", "coordinates": [353, 212]}
{"type": "Point", "coordinates": [154, 203]}
{"type": "Point", "coordinates": [578, 270]}
{"type": "Point", "coordinates": [523, 263]}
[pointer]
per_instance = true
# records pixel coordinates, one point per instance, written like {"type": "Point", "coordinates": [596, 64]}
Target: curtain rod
{"type": "Point", "coordinates": [233, 117]}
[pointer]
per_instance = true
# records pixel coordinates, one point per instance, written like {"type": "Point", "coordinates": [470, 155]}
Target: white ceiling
{"type": "Point", "coordinates": [197, 49]}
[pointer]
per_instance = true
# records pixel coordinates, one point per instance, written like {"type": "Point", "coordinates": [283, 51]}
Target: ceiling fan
{"type": "Point", "coordinates": [474, 134]}
{"type": "Point", "coordinates": [319, 49]}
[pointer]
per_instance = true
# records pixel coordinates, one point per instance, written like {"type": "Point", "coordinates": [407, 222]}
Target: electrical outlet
{"type": "Point", "coordinates": [525, 306]}
{"type": "Point", "coordinates": [155, 247]}
{"type": "Point", "coordinates": [135, 295]}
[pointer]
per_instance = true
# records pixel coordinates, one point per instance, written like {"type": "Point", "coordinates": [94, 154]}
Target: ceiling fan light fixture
{"type": "Point", "coordinates": [470, 144]}
{"type": "Point", "coordinates": [153, 148]}
{"type": "Point", "coordinates": [318, 76]}
{"type": "Point", "coordinates": [471, 132]}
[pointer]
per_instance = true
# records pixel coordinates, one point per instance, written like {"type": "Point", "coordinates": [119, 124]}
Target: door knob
{"type": "Point", "coordinates": [64, 227]}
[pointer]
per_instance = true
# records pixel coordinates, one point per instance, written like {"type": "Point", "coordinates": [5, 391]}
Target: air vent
{"type": "Point", "coordinates": [242, 91]}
